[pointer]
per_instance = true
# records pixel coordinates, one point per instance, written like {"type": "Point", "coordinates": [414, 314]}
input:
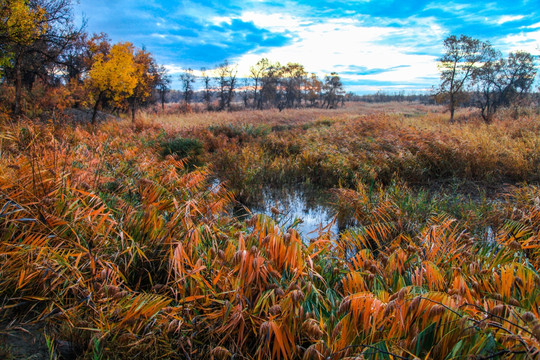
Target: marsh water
{"type": "Point", "coordinates": [309, 211]}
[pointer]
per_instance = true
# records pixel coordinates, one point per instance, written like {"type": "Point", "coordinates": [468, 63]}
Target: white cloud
{"type": "Point", "coordinates": [525, 41]}
{"type": "Point", "coordinates": [275, 21]}
{"type": "Point", "coordinates": [533, 26]}
{"type": "Point", "coordinates": [508, 18]}
{"type": "Point", "coordinates": [322, 46]}
{"type": "Point", "coordinates": [450, 7]}
{"type": "Point", "coordinates": [173, 69]}
{"type": "Point", "coordinates": [216, 20]}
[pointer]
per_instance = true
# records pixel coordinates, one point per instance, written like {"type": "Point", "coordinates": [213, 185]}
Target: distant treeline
{"type": "Point", "coordinates": [401, 96]}
{"type": "Point", "coordinates": [177, 96]}
{"type": "Point", "coordinates": [468, 98]}
{"type": "Point", "coordinates": [268, 85]}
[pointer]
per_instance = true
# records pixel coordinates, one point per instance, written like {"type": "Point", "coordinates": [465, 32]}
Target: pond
{"type": "Point", "coordinates": [308, 211]}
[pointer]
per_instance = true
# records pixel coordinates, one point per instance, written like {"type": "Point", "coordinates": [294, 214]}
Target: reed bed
{"type": "Point", "coordinates": [123, 252]}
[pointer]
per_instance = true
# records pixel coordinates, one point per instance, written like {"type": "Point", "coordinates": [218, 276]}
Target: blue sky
{"type": "Point", "coordinates": [375, 45]}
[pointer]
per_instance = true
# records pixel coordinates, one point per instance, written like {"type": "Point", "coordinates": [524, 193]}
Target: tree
{"type": "Point", "coordinates": [502, 82]}
{"type": "Point", "coordinates": [207, 82]}
{"type": "Point", "coordinates": [457, 66]}
{"type": "Point", "coordinates": [20, 27]}
{"type": "Point", "coordinates": [113, 75]}
{"type": "Point", "coordinates": [333, 90]}
{"type": "Point", "coordinates": [80, 56]}
{"type": "Point", "coordinates": [269, 85]}
{"type": "Point", "coordinates": [146, 74]}
{"type": "Point", "coordinates": [226, 78]}
{"type": "Point", "coordinates": [33, 36]}
{"type": "Point", "coordinates": [162, 84]}
{"type": "Point", "coordinates": [256, 73]}
{"type": "Point", "coordinates": [187, 78]}
{"type": "Point", "coordinates": [293, 79]}
{"type": "Point", "coordinates": [246, 92]}
{"type": "Point", "coordinates": [312, 89]}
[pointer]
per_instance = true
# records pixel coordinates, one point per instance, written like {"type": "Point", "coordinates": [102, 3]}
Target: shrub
{"type": "Point", "coordinates": [183, 148]}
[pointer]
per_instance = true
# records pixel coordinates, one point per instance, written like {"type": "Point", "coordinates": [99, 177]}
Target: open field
{"type": "Point", "coordinates": [113, 244]}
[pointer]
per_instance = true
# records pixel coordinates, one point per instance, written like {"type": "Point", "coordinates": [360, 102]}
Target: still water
{"type": "Point", "coordinates": [308, 211]}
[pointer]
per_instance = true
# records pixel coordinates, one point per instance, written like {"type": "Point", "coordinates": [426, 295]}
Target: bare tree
{"type": "Point", "coordinates": [187, 78]}
{"type": "Point", "coordinates": [256, 73]}
{"type": "Point", "coordinates": [163, 83]}
{"type": "Point", "coordinates": [246, 92]}
{"type": "Point", "coordinates": [503, 82]}
{"type": "Point", "coordinates": [457, 66]}
{"type": "Point", "coordinates": [226, 77]}
{"type": "Point", "coordinates": [207, 82]}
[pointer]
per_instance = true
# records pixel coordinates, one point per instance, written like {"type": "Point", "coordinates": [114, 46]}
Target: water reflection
{"type": "Point", "coordinates": [308, 211]}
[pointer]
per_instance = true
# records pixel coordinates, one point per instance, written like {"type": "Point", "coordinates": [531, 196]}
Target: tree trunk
{"type": "Point", "coordinates": [133, 110]}
{"type": "Point", "coordinates": [96, 105]}
{"type": "Point", "coordinates": [17, 110]}
{"type": "Point", "coordinates": [255, 93]}
{"type": "Point", "coordinates": [452, 107]}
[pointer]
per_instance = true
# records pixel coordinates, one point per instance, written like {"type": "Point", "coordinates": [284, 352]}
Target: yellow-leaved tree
{"type": "Point", "coordinates": [113, 76]}
{"type": "Point", "coordinates": [20, 26]}
{"type": "Point", "coordinates": [147, 78]}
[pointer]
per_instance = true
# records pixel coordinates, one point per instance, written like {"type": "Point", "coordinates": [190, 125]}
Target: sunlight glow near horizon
{"type": "Point", "coordinates": [386, 45]}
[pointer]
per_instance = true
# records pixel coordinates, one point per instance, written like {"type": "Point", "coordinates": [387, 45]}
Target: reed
{"type": "Point", "coordinates": [125, 253]}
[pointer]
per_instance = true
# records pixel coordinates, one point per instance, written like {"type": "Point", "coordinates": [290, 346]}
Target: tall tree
{"type": "Point", "coordinates": [20, 26]}
{"type": "Point", "coordinates": [146, 74]}
{"type": "Point", "coordinates": [246, 92]}
{"type": "Point", "coordinates": [458, 66]}
{"type": "Point", "coordinates": [207, 83]}
{"type": "Point", "coordinates": [33, 36]}
{"type": "Point", "coordinates": [163, 83]}
{"type": "Point", "coordinates": [293, 79]}
{"type": "Point", "coordinates": [502, 82]}
{"type": "Point", "coordinates": [256, 73]}
{"type": "Point", "coordinates": [226, 78]}
{"type": "Point", "coordinates": [80, 56]}
{"type": "Point", "coordinates": [113, 76]}
{"type": "Point", "coordinates": [187, 78]}
{"type": "Point", "coordinates": [312, 89]}
{"type": "Point", "coordinates": [268, 94]}
{"type": "Point", "coordinates": [333, 90]}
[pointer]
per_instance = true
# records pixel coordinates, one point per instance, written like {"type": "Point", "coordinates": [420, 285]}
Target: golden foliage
{"type": "Point", "coordinates": [21, 24]}
{"type": "Point", "coordinates": [115, 73]}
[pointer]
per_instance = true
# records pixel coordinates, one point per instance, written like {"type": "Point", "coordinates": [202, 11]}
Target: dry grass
{"type": "Point", "coordinates": [190, 120]}
{"type": "Point", "coordinates": [415, 146]}
{"type": "Point", "coordinates": [126, 254]}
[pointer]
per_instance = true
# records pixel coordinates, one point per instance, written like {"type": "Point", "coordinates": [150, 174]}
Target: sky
{"type": "Point", "coordinates": [381, 45]}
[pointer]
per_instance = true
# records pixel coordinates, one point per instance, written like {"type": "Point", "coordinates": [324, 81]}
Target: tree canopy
{"type": "Point", "coordinates": [471, 68]}
{"type": "Point", "coordinates": [458, 65]}
{"type": "Point", "coordinates": [113, 75]}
